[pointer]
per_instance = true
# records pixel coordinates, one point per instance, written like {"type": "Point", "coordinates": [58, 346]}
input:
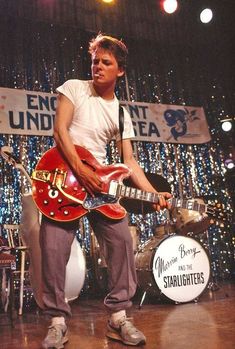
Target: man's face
{"type": "Point", "coordinates": [104, 68]}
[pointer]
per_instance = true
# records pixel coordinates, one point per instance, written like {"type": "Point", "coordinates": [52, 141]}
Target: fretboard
{"type": "Point", "coordinates": [138, 194]}
{"type": "Point", "coordinates": [189, 204]}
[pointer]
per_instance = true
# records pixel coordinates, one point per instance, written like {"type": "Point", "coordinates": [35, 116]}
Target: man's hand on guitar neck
{"type": "Point", "coordinates": [163, 201]}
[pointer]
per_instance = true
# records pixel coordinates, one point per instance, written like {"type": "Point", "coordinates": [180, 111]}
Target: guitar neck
{"type": "Point", "coordinates": [189, 204]}
{"type": "Point", "coordinates": [138, 194]}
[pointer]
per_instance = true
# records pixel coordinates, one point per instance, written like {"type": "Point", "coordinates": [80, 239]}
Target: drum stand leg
{"type": "Point", "coordinates": [142, 299]}
{"type": "Point", "coordinates": [213, 286]}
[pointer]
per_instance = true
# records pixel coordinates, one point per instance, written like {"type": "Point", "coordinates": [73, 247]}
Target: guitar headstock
{"type": "Point", "coordinates": [6, 153]}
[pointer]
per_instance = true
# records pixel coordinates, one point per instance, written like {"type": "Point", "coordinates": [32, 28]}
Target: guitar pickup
{"type": "Point", "coordinates": [113, 188]}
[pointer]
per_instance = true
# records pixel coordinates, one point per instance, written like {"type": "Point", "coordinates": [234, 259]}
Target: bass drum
{"type": "Point", "coordinates": [176, 267]}
{"type": "Point", "coordinates": [76, 266]}
{"type": "Point", "coordinates": [75, 272]}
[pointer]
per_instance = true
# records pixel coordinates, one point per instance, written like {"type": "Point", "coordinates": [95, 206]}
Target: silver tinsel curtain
{"type": "Point", "coordinates": [172, 60]}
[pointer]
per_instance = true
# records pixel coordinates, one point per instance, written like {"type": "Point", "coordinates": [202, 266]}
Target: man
{"type": "Point", "coordinates": [88, 115]}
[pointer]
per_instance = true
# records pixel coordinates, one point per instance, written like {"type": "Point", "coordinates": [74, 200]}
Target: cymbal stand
{"type": "Point", "coordinates": [212, 285]}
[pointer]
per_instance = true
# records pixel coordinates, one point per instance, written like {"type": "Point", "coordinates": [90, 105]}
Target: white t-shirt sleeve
{"type": "Point", "coordinates": [70, 89]}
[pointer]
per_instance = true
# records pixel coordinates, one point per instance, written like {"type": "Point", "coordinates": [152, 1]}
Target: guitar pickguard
{"type": "Point", "coordinates": [91, 203]}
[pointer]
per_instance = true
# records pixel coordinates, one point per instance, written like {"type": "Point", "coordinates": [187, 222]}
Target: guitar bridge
{"type": "Point", "coordinates": [41, 175]}
{"type": "Point", "coordinates": [55, 178]}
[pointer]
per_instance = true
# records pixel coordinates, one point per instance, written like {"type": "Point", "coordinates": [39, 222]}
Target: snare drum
{"type": "Point", "coordinates": [176, 267]}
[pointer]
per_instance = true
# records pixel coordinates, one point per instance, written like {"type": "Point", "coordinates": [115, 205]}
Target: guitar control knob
{"type": "Point", "coordinates": [52, 214]}
{"type": "Point", "coordinates": [53, 193]}
{"type": "Point", "coordinates": [60, 200]}
{"type": "Point", "coordinates": [45, 202]}
{"type": "Point", "coordinates": [66, 212]}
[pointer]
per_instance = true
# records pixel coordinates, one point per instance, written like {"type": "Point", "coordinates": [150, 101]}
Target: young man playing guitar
{"type": "Point", "coordinates": [88, 115]}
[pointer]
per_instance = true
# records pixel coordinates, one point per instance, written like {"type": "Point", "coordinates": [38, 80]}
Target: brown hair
{"type": "Point", "coordinates": [115, 46]}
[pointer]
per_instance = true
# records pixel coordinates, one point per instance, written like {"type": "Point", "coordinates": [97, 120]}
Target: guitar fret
{"type": "Point", "coordinates": [127, 191]}
{"type": "Point", "coordinates": [177, 203]}
{"type": "Point", "coordinates": [196, 206]}
{"type": "Point", "coordinates": [138, 194]}
{"type": "Point", "coordinates": [145, 196]}
{"type": "Point", "coordinates": [119, 190]}
{"type": "Point", "coordinates": [189, 205]}
{"type": "Point", "coordinates": [202, 208]}
{"type": "Point", "coordinates": [133, 192]}
{"type": "Point", "coordinates": [123, 190]}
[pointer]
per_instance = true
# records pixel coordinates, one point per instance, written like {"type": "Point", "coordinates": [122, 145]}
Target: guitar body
{"type": "Point", "coordinates": [59, 195]}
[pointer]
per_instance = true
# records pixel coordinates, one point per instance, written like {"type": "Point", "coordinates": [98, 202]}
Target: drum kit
{"type": "Point", "coordinates": [172, 265]}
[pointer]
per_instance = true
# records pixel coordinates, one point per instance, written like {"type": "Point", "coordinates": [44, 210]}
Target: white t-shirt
{"type": "Point", "coordinates": [96, 120]}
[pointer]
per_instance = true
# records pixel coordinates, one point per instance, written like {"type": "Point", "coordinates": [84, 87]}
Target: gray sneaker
{"type": "Point", "coordinates": [56, 337]}
{"type": "Point", "coordinates": [127, 333]}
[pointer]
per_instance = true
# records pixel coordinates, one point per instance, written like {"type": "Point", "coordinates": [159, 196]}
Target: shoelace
{"type": "Point", "coordinates": [54, 332]}
{"type": "Point", "coordinates": [127, 322]}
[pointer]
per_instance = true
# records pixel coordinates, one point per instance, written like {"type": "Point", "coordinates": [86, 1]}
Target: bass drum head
{"type": "Point", "coordinates": [181, 268]}
{"type": "Point", "coordinates": [75, 272]}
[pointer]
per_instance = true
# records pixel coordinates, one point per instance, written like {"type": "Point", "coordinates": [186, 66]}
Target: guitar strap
{"type": "Point", "coordinates": [121, 127]}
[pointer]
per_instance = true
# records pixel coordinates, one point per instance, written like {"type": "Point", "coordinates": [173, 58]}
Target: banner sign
{"type": "Point", "coordinates": [26, 112]}
{"type": "Point", "coordinates": [32, 113]}
{"type": "Point", "coordinates": [168, 123]}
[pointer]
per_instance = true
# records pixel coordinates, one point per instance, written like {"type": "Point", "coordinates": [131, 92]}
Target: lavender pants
{"type": "Point", "coordinates": [116, 244]}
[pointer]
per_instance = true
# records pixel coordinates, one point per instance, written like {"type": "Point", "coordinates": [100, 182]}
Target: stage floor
{"type": "Point", "coordinates": [207, 324]}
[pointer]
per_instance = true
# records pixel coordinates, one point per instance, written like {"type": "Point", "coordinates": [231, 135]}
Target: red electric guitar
{"type": "Point", "coordinates": [59, 195]}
